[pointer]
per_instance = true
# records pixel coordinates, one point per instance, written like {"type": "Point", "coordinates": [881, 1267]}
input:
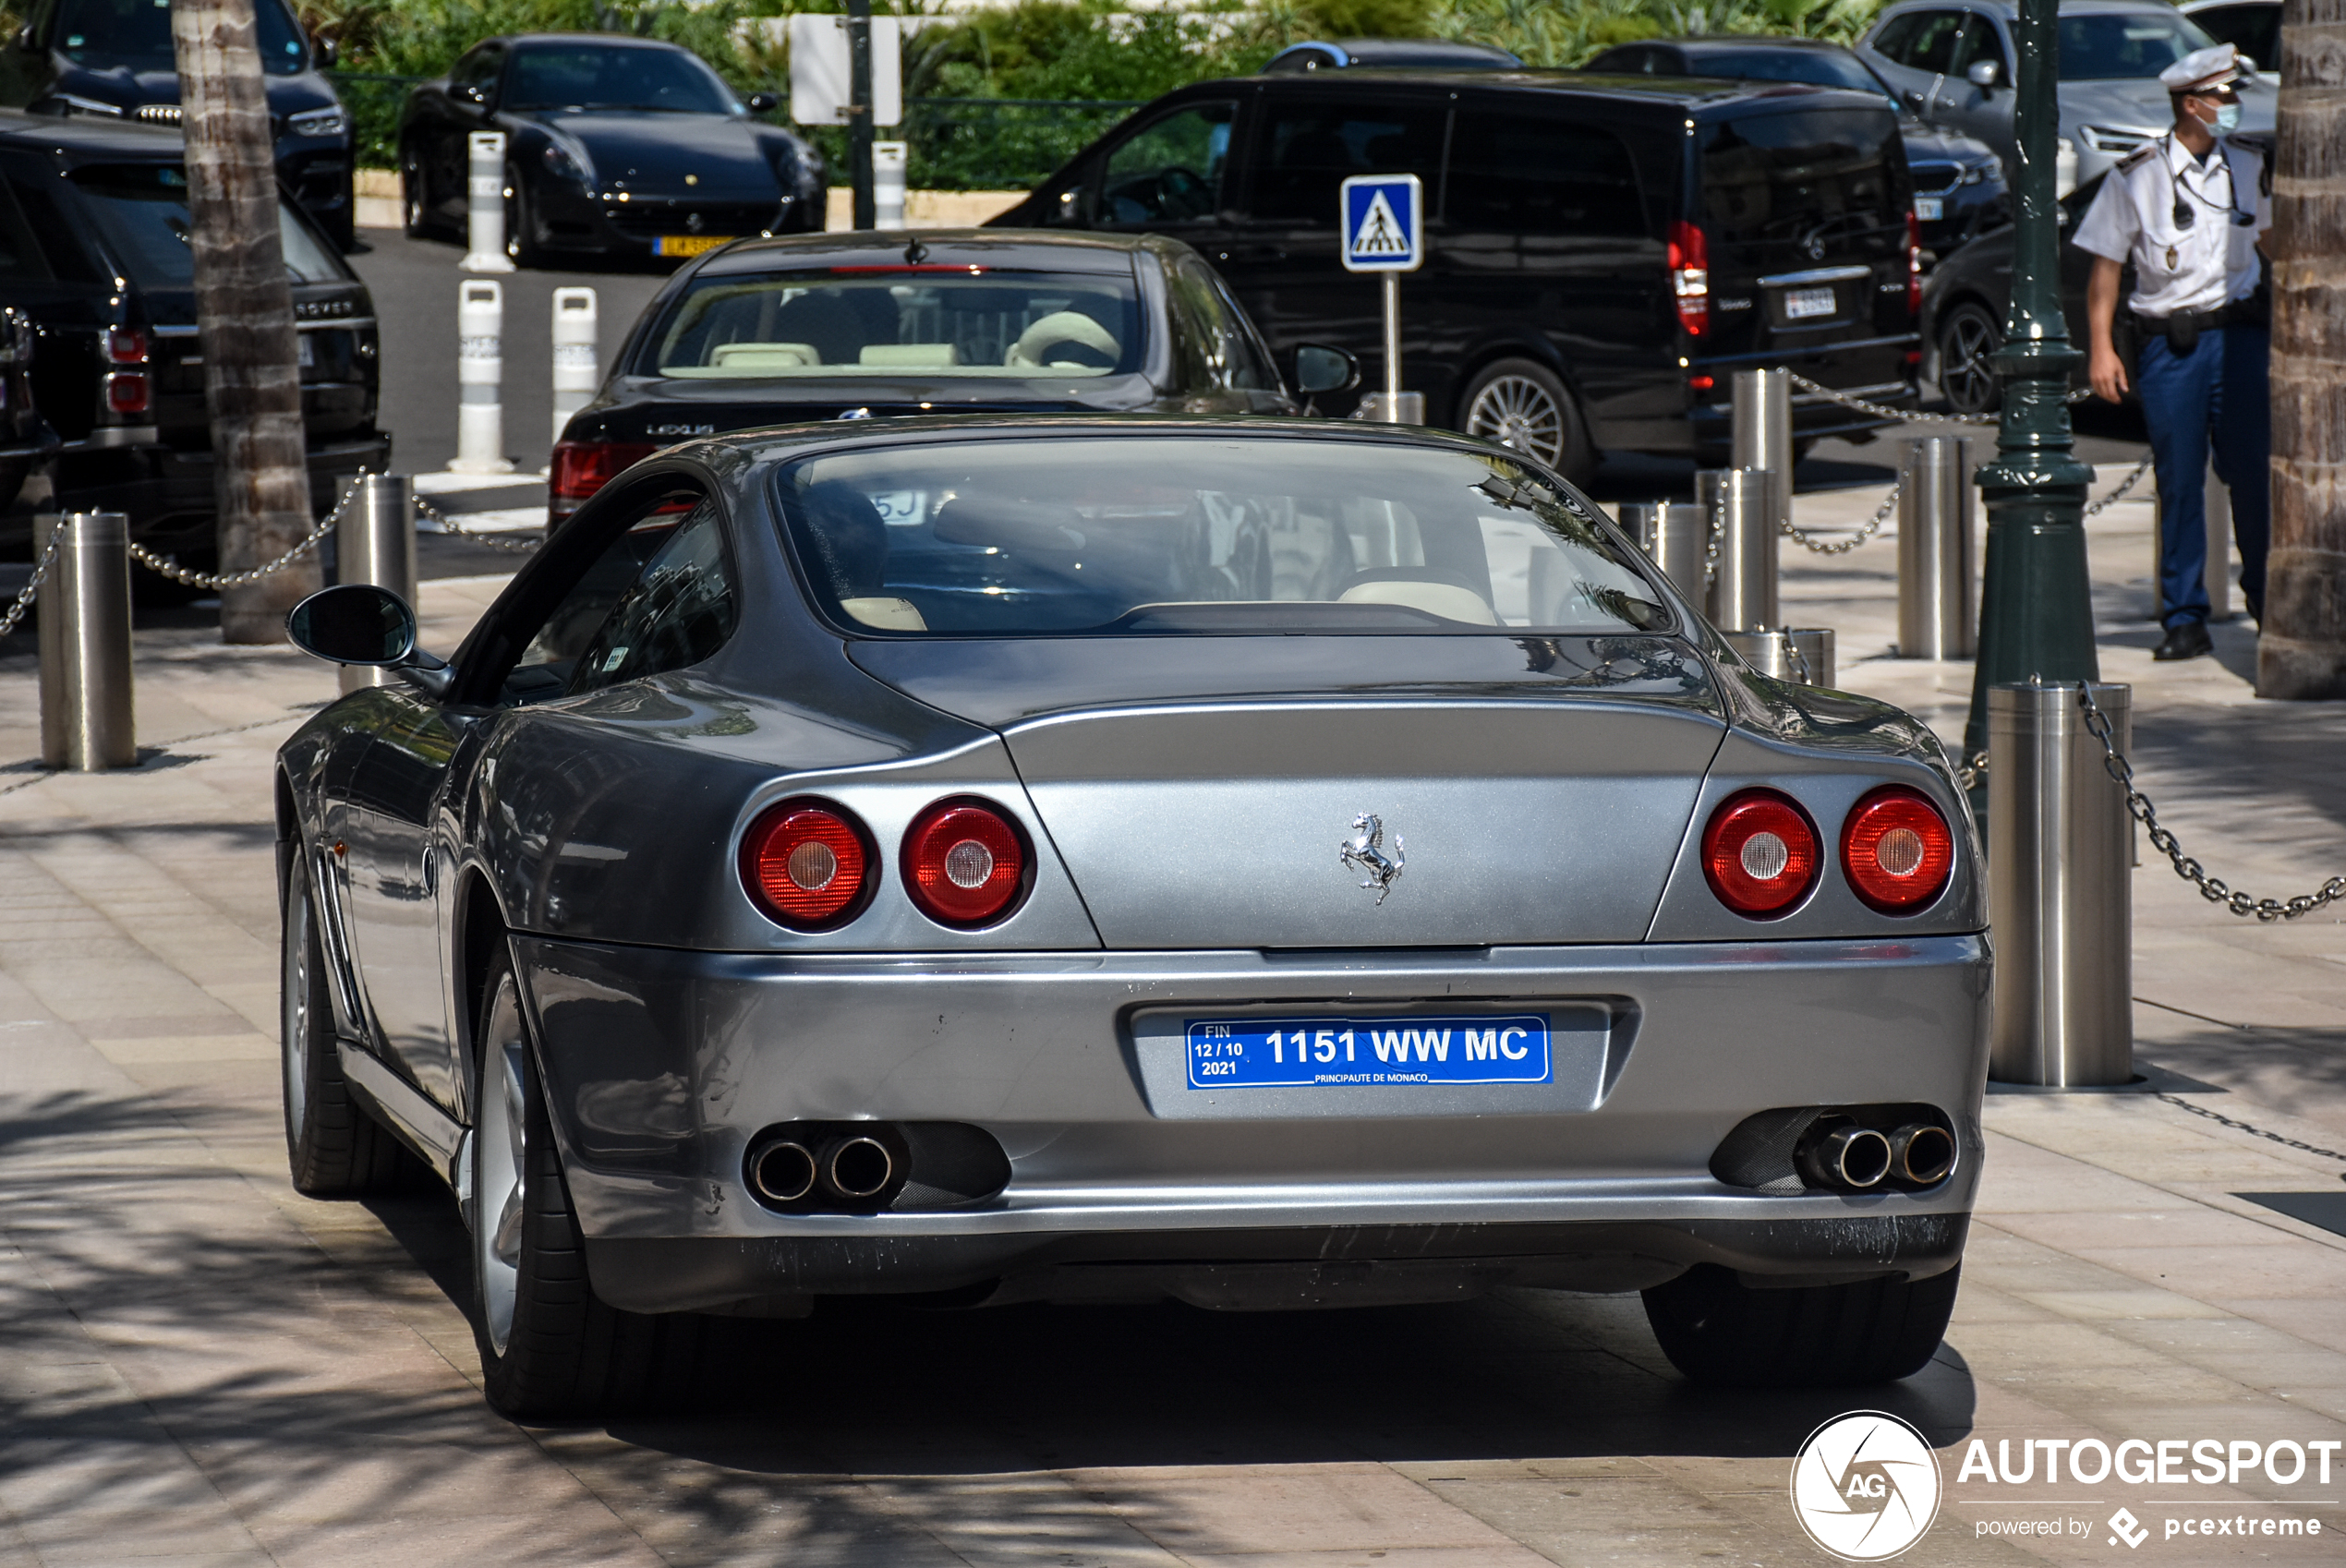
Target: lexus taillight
{"type": "Point", "coordinates": [1690, 277]}
{"type": "Point", "coordinates": [965, 863]}
{"type": "Point", "coordinates": [805, 863]}
{"type": "Point", "coordinates": [1897, 849]}
{"type": "Point", "coordinates": [1759, 853]}
{"type": "Point", "coordinates": [580, 468]}
{"type": "Point", "coordinates": [1914, 265]}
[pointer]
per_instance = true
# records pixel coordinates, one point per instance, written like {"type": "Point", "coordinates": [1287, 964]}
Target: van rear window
{"type": "Point", "coordinates": [1531, 175]}
{"type": "Point", "coordinates": [1802, 176]}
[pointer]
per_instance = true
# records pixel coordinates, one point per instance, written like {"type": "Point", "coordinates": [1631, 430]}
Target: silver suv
{"type": "Point", "coordinates": [1953, 65]}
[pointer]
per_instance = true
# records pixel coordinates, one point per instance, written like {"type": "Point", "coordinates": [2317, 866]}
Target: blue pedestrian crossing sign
{"type": "Point", "coordinates": [1382, 231]}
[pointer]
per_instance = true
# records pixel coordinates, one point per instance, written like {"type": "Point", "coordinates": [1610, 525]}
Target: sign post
{"type": "Point", "coordinates": [1384, 232]}
{"type": "Point", "coordinates": [848, 70]}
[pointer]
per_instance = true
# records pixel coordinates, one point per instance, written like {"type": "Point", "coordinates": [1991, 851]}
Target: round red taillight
{"type": "Point", "coordinates": [965, 863]}
{"type": "Point", "coordinates": [1759, 853]}
{"type": "Point", "coordinates": [1897, 849]}
{"type": "Point", "coordinates": [804, 864]}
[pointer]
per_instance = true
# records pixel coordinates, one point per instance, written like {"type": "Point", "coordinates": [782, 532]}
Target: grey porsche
{"type": "Point", "coordinates": [1255, 862]}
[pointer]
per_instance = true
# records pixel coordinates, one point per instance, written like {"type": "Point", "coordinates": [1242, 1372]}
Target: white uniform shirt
{"type": "Point", "coordinates": [2198, 269]}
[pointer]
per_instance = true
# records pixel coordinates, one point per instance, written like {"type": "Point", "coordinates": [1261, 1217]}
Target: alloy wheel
{"type": "Point", "coordinates": [1967, 377]}
{"type": "Point", "coordinates": [1517, 412]}
{"type": "Point", "coordinates": [295, 1023]}
{"type": "Point", "coordinates": [501, 1157]}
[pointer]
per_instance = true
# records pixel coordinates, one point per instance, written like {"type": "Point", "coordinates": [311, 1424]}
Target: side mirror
{"type": "Point", "coordinates": [328, 51]}
{"type": "Point", "coordinates": [1319, 369]}
{"type": "Point", "coordinates": [24, 38]}
{"type": "Point", "coordinates": [360, 624]}
{"type": "Point", "coordinates": [1983, 74]}
{"type": "Point", "coordinates": [470, 92]}
{"type": "Point", "coordinates": [762, 103]}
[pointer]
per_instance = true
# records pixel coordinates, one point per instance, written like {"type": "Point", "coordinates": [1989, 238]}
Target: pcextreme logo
{"type": "Point", "coordinates": [1865, 1486]}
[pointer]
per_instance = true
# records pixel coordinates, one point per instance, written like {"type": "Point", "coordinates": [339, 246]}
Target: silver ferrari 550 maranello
{"type": "Point", "coordinates": [1260, 863]}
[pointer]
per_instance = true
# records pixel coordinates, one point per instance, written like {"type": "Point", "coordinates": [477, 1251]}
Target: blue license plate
{"type": "Point", "coordinates": [1311, 1053]}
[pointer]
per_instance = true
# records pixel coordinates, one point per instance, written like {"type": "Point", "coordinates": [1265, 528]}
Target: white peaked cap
{"type": "Point", "coordinates": [2202, 69]}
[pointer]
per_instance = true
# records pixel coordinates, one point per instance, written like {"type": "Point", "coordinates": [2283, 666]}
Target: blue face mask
{"type": "Point", "coordinates": [2227, 118]}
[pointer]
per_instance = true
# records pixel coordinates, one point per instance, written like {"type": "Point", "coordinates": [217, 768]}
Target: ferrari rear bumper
{"type": "Point", "coordinates": [661, 1066]}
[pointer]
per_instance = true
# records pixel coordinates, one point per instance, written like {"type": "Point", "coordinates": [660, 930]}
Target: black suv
{"type": "Point", "coordinates": [94, 248]}
{"type": "Point", "coordinates": [114, 58]}
{"type": "Point", "coordinates": [1603, 251]}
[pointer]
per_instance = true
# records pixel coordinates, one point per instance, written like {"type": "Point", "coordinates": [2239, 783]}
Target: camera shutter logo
{"type": "Point", "coordinates": [1865, 1486]}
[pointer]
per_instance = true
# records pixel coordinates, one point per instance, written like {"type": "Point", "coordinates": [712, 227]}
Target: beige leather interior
{"type": "Point", "coordinates": [911, 356]}
{"type": "Point", "coordinates": [740, 356]}
{"type": "Point", "coordinates": [1445, 600]}
{"type": "Point", "coordinates": [1033, 345]}
{"type": "Point", "coordinates": [886, 614]}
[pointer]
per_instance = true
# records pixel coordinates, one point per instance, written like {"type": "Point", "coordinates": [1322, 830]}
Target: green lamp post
{"type": "Point", "coordinates": [2036, 601]}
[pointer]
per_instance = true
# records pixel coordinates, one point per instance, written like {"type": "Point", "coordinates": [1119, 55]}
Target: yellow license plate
{"type": "Point", "coordinates": [688, 245]}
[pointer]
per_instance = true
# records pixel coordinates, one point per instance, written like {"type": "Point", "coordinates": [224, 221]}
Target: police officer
{"type": "Point", "coordinates": [2190, 211]}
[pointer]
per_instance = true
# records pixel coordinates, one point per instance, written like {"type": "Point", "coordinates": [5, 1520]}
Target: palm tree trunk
{"type": "Point", "coordinates": [2303, 652]}
{"type": "Point", "coordinates": [244, 306]}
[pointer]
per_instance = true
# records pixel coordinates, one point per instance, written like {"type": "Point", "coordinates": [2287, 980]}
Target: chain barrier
{"type": "Point", "coordinates": [32, 586]}
{"type": "Point", "coordinates": [2114, 497]}
{"type": "Point", "coordinates": [1909, 416]}
{"type": "Point", "coordinates": [1843, 546]}
{"type": "Point", "coordinates": [494, 541]}
{"type": "Point", "coordinates": [165, 566]}
{"type": "Point", "coordinates": [2223, 1121]}
{"type": "Point", "coordinates": [2213, 890]}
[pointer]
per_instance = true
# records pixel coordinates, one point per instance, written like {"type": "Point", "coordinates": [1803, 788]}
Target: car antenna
{"type": "Point", "coordinates": [915, 252]}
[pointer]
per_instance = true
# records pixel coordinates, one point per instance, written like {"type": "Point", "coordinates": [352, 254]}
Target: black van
{"type": "Point", "coordinates": [1602, 252]}
{"type": "Point", "coordinates": [93, 250]}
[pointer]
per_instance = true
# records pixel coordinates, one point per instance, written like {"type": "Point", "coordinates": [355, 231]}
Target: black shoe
{"type": "Point", "coordinates": [2185, 639]}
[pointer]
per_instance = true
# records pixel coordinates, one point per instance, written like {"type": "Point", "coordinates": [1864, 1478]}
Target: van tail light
{"type": "Point", "coordinates": [1914, 264]}
{"type": "Point", "coordinates": [1690, 276]}
{"type": "Point", "coordinates": [580, 468]}
{"type": "Point", "coordinates": [1897, 849]}
{"type": "Point", "coordinates": [807, 864]}
{"type": "Point", "coordinates": [1759, 853]}
{"type": "Point", "coordinates": [127, 392]}
{"type": "Point", "coordinates": [965, 863]}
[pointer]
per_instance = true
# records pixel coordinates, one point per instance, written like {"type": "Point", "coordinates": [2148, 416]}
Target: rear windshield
{"type": "Point", "coordinates": [103, 34]}
{"type": "Point", "coordinates": [1805, 175]}
{"type": "Point", "coordinates": [140, 211]}
{"type": "Point", "coordinates": [927, 321]}
{"type": "Point", "coordinates": [2121, 45]}
{"type": "Point", "coordinates": [1204, 533]}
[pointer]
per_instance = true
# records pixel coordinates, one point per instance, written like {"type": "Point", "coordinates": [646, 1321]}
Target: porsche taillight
{"type": "Point", "coordinates": [806, 864]}
{"type": "Point", "coordinates": [1690, 276]}
{"type": "Point", "coordinates": [965, 863]}
{"type": "Point", "coordinates": [580, 468]}
{"type": "Point", "coordinates": [1759, 853]}
{"type": "Point", "coordinates": [1897, 849]}
{"type": "Point", "coordinates": [1914, 264]}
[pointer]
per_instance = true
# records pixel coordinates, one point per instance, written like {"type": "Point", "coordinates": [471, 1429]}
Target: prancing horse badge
{"type": "Point", "coordinates": [1365, 852]}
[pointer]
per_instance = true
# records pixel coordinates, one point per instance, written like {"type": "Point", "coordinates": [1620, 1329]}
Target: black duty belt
{"type": "Point", "coordinates": [2182, 330]}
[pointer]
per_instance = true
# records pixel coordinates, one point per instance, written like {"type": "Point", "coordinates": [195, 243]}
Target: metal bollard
{"type": "Point", "coordinates": [577, 354]}
{"type": "Point", "coordinates": [1406, 408]}
{"type": "Point", "coordinates": [1788, 653]}
{"type": "Point", "coordinates": [1763, 432]}
{"type": "Point", "coordinates": [88, 720]}
{"type": "Point", "coordinates": [1676, 536]}
{"type": "Point", "coordinates": [1743, 590]}
{"type": "Point", "coordinates": [480, 372]}
{"type": "Point", "coordinates": [375, 542]}
{"type": "Point", "coordinates": [1937, 612]}
{"type": "Point", "coordinates": [2059, 890]}
{"type": "Point", "coordinates": [888, 183]}
{"type": "Point", "coordinates": [485, 204]}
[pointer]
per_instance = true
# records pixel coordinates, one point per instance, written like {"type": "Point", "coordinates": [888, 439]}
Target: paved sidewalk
{"type": "Point", "coordinates": [202, 1368]}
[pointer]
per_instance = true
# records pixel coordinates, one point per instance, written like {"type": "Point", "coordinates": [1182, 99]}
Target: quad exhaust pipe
{"type": "Point", "coordinates": [813, 1168]}
{"type": "Point", "coordinates": [1844, 1156]}
{"type": "Point", "coordinates": [781, 1171]}
{"type": "Point", "coordinates": [858, 1167]}
{"type": "Point", "coordinates": [1922, 1154]}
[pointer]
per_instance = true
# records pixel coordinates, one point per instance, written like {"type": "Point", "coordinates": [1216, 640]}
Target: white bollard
{"type": "Point", "coordinates": [577, 354]}
{"type": "Point", "coordinates": [480, 370]}
{"type": "Point", "coordinates": [888, 183]}
{"type": "Point", "coordinates": [485, 204]}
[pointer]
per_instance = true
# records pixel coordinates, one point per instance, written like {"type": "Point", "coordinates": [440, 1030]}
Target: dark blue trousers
{"type": "Point", "coordinates": [2216, 393]}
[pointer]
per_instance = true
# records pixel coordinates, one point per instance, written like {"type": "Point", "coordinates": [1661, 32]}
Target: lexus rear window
{"type": "Point", "coordinates": [140, 209]}
{"type": "Point", "coordinates": [1279, 532]}
{"type": "Point", "coordinates": [927, 321]}
{"type": "Point", "coordinates": [1802, 175]}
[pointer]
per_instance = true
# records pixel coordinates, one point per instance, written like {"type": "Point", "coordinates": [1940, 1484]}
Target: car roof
{"type": "Point", "coordinates": [615, 39]}
{"type": "Point", "coordinates": [1019, 249]}
{"type": "Point", "coordinates": [1708, 42]}
{"type": "Point", "coordinates": [1705, 96]}
{"type": "Point", "coordinates": [92, 136]}
{"type": "Point", "coordinates": [2009, 9]}
{"type": "Point", "coordinates": [1442, 52]}
{"type": "Point", "coordinates": [786, 442]}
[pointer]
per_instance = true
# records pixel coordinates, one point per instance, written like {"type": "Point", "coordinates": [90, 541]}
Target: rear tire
{"type": "Point", "coordinates": [521, 247]}
{"type": "Point", "coordinates": [1966, 338]}
{"type": "Point", "coordinates": [1522, 404]}
{"type": "Point", "coordinates": [333, 1148]}
{"type": "Point", "coordinates": [548, 1345]}
{"type": "Point", "coordinates": [415, 195]}
{"type": "Point", "coordinates": [1717, 1330]}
